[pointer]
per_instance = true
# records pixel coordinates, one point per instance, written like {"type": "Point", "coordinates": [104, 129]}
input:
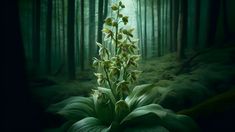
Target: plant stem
{"type": "Point", "coordinates": [109, 83]}
{"type": "Point", "coordinates": [116, 38]}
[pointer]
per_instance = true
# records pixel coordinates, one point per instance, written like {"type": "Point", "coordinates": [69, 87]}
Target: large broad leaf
{"type": "Point", "coordinates": [154, 114]}
{"type": "Point", "coordinates": [103, 105]}
{"type": "Point", "coordinates": [89, 124]}
{"type": "Point", "coordinates": [145, 94]}
{"type": "Point", "coordinates": [74, 108]}
{"type": "Point", "coordinates": [138, 94]}
{"type": "Point", "coordinates": [109, 93]}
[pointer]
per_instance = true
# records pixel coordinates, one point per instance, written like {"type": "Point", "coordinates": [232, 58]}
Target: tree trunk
{"type": "Point", "coordinates": [71, 59]}
{"type": "Point", "coordinates": [153, 29]}
{"type": "Point", "coordinates": [159, 27]}
{"type": "Point", "coordinates": [181, 25]}
{"type": "Point", "coordinates": [36, 36]}
{"type": "Point", "coordinates": [82, 44]}
{"type": "Point", "coordinates": [214, 14]}
{"type": "Point", "coordinates": [100, 22]}
{"type": "Point", "coordinates": [106, 2]}
{"type": "Point", "coordinates": [92, 30]}
{"type": "Point", "coordinates": [48, 36]}
{"type": "Point", "coordinates": [145, 29]}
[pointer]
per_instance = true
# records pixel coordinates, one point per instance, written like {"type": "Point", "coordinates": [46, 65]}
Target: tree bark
{"type": "Point", "coordinates": [48, 36]}
{"type": "Point", "coordinates": [70, 48]}
{"type": "Point", "coordinates": [181, 25]}
{"type": "Point", "coordinates": [145, 29]}
{"type": "Point", "coordinates": [100, 22]}
{"type": "Point", "coordinates": [36, 36]}
{"type": "Point", "coordinates": [153, 28]}
{"type": "Point", "coordinates": [92, 30]}
{"type": "Point", "coordinates": [82, 44]}
{"type": "Point", "coordinates": [159, 27]}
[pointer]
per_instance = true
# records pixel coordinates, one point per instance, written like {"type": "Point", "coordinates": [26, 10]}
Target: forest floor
{"type": "Point", "coordinates": [197, 86]}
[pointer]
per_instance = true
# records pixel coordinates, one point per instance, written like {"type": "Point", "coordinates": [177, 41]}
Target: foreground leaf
{"type": "Point", "coordinates": [74, 108]}
{"type": "Point", "coordinates": [89, 124]}
{"type": "Point", "coordinates": [154, 114]}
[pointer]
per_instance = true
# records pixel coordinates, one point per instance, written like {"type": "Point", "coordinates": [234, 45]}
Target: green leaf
{"type": "Point", "coordinates": [74, 108]}
{"type": "Point", "coordinates": [135, 97]}
{"type": "Point", "coordinates": [155, 109]}
{"type": "Point", "coordinates": [108, 21]}
{"type": "Point", "coordinates": [96, 62]}
{"type": "Point", "coordinates": [107, 31]}
{"type": "Point", "coordinates": [99, 45]}
{"type": "Point", "coordinates": [122, 88]}
{"type": "Point", "coordinates": [89, 124]}
{"type": "Point", "coordinates": [108, 92]}
{"type": "Point", "coordinates": [179, 123]}
{"type": "Point", "coordinates": [157, 115]}
{"type": "Point", "coordinates": [103, 106]}
{"type": "Point", "coordinates": [100, 78]}
{"type": "Point", "coordinates": [121, 109]}
{"type": "Point", "coordinates": [114, 7]}
{"type": "Point", "coordinates": [125, 20]}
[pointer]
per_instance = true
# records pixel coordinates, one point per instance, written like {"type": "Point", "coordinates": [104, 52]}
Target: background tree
{"type": "Point", "coordinates": [48, 36]}
{"type": "Point", "coordinates": [70, 44]}
{"type": "Point", "coordinates": [36, 35]}
{"type": "Point", "coordinates": [92, 29]}
{"type": "Point", "coordinates": [82, 43]}
{"type": "Point", "coordinates": [100, 21]}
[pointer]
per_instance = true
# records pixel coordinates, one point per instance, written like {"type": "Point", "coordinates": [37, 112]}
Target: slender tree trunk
{"type": "Point", "coordinates": [225, 20]}
{"type": "Point", "coordinates": [145, 29]}
{"type": "Point", "coordinates": [159, 26]}
{"type": "Point", "coordinates": [138, 18]}
{"type": "Point", "coordinates": [173, 17]}
{"type": "Point", "coordinates": [82, 44]}
{"type": "Point", "coordinates": [36, 36]}
{"type": "Point", "coordinates": [197, 13]}
{"type": "Point", "coordinates": [100, 22]}
{"type": "Point", "coordinates": [48, 36]}
{"type": "Point", "coordinates": [92, 30]}
{"type": "Point", "coordinates": [182, 24]}
{"type": "Point", "coordinates": [170, 26]}
{"type": "Point", "coordinates": [153, 28]}
{"type": "Point", "coordinates": [56, 37]}
{"type": "Point", "coordinates": [78, 32]}
{"type": "Point", "coordinates": [106, 2]}
{"type": "Point", "coordinates": [141, 29]}
{"type": "Point", "coordinates": [214, 14]}
{"type": "Point", "coordinates": [71, 59]}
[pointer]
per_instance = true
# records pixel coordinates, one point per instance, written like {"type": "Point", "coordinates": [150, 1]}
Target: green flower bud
{"type": "Point", "coordinates": [115, 24]}
{"type": "Point", "coordinates": [119, 36]}
{"type": "Point", "coordinates": [114, 7]}
{"type": "Point", "coordinates": [108, 21]}
{"type": "Point", "coordinates": [125, 20]}
{"type": "Point", "coordinates": [120, 15]}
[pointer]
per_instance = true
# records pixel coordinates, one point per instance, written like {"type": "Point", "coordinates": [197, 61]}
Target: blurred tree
{"type": "Point", "coordinates": [92, 29]}
{"type": "Point", "coordinates": [82, 38]}
{"type": "Point", "coordinates": [36, 35]}
{"type": "Point", "coordinates": [48, 36]}
{"type": "Point", "coordinates": [70, 31]}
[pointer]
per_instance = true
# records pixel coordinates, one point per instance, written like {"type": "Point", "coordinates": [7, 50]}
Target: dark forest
{"type": "Point", "coordinates": [119, 65]}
